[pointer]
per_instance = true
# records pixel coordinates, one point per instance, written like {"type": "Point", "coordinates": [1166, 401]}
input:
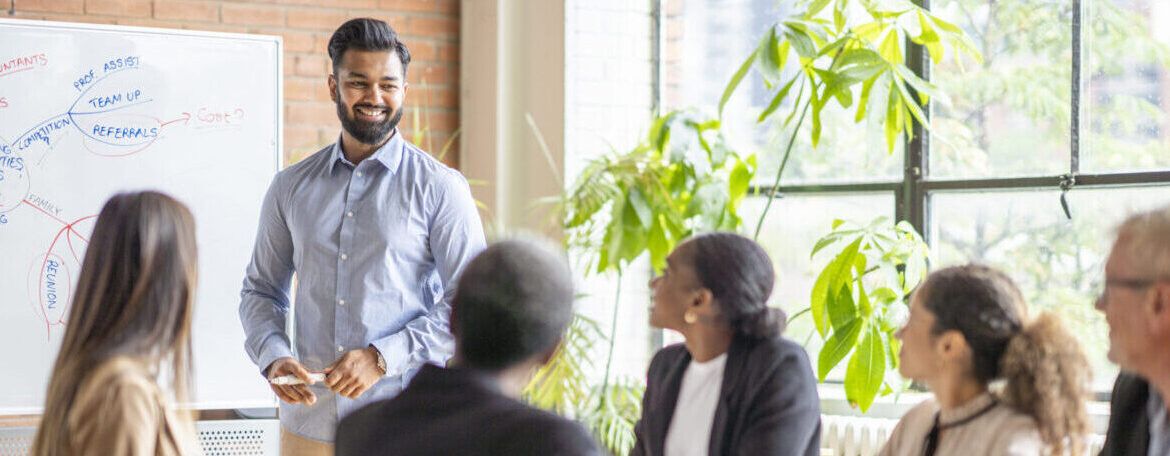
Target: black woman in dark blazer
{"type": "Point", "coordinates": [734, 387]}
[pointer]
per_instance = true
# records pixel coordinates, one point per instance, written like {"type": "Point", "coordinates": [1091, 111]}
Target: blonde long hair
{"type": "Point", "coordinates": [134, 298]}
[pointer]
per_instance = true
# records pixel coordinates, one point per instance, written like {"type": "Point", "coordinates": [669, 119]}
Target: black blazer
{"type": "Point", "coordinates": [768, 404]}
{"type": "Point", "coordinates": [1129, 425]}
{"type": "Point", "coordinates": [458, 412]}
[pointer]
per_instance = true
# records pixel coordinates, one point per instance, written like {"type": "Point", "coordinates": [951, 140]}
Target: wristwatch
{"type": "Point", "coordinates": [381, 360]}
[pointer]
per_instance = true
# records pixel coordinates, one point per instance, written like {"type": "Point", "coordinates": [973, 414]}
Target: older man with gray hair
{"type": "Point", "coordinates": [1135, 299]}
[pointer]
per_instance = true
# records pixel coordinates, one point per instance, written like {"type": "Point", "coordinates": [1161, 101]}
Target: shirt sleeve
{"type": "Point", "coordinates": [264, 299]}
{"type": "Point", "coordinates": [455, 236]}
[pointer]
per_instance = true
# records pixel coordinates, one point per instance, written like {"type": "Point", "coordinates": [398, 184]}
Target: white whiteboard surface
{"type": "Point", "coordinates": [88, 111]}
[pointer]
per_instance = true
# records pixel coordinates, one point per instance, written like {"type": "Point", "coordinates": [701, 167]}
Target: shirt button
{"type": "Point", "coordinates": [341, 302]}
{"type": "Point", "coordinates": [349, 214]}
{"type": "Point", "coordinates": [359, 174]}
{"type": "Point", "coordinates": [344, 256]}
{"type": "Point", "coordinates": [340, 349]}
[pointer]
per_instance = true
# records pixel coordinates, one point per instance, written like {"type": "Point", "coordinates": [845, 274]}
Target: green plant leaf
{"type": "Point", "coordinates": [885, 295]}
{"type": "Point", "coordinates": [867, 368]}
{"type": "Point", "coordinates": [830, 278]}
{"type": "Point", "coordinates": [925, 89]}
{"type": "Point", "coordinates": [735, 80]}
{"type": "Point", "coordinates": [929, 38]}
{"type": "Point", "coordinates": [816, 7]}
{"type": "Point", "coordinates": [842, 309]}
{"type": "Point", "coordinates": [801, 42]}
{"type": "Point", "coordinates": [863, 305]}
{"type": "Point", "coordinates": [863, 100]}
{"type": "Point", "coordinates": [817, 103]}
{"type": "Point", "coordinates": [837, 347]}
{"type": "Point", "coordinates": [658, 245]}
{"type": "Point", "coordinates": [869, 31]}
{"type": "Point", "coordinates": [839, 16]}
{"type": "Point", "coordinates": [637, 201]}
{"type": "Point", "coordinates": [822, 243]}
{"type": "Point", "coordinates": [860, 64]}
{"type": "Point", "coordinates": [778, 99]}
{"type": "Point", "coordinates": [891, 48]}
{"type": "Point", "coordinates": [738, 182]}
{"type": "Point", "coordinates": [770, 57]}
{"type": "Point", "coordinates": [893, 348]}
{"type": "Point", "coordinates": [893, 120]}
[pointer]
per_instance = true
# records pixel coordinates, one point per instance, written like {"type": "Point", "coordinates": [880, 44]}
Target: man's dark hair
{"type": "Point", "coordinates": [365, 34]}
{"type": "Point", "coordinates": [513, 301]}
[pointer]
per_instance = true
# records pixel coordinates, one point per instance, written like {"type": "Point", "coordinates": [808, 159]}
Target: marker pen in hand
{"type": "Point", "coordinates": [294, 380]}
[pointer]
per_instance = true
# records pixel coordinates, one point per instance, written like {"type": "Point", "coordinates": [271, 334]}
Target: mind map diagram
{"type": "Point", "coordinates": [111, 115]}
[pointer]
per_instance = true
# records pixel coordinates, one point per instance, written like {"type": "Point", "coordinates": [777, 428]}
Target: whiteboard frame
{"type": "Point", "coordinates": [270, 401]}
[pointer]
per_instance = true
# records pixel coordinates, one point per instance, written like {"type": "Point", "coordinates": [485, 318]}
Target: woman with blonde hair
{"type": "Point", "coordinates": [968, 327]}
{"type": "Point", "coordinates": [131, 315]}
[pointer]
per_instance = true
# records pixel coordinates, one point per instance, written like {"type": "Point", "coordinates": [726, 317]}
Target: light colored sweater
{"type": "Point", "coordinates": [997, 432]}
{"type": "Point", "coordinates": [120, 410]}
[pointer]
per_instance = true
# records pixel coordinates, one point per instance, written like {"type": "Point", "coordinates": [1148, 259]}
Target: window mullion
{"type": "Point", "coordinates": [912, 201]}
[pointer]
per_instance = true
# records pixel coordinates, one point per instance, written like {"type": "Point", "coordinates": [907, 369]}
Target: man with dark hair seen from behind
{"type": "Point", "coordinates": [377, 233]}
{"type": "Point", "coordinates": [513, 304]}
{"type": "Point", "coordinates": [1135, 298]}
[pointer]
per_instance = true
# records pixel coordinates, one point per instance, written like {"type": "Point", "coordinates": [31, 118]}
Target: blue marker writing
{"type": "Point", "coordinates": [51, 283]}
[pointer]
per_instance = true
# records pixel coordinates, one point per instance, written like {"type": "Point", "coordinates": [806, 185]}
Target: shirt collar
{"type": "Point", "coordinates": [389, 155]}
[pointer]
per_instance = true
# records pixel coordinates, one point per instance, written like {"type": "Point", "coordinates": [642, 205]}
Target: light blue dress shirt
{"type": "Point", "coordinates": [1159, 425]}
{"type": "Point", "coordinates": [377, 249]}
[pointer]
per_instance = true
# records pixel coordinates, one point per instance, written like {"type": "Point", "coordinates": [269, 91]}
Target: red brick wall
{"type": "Point", "coordinates": [430, 29]}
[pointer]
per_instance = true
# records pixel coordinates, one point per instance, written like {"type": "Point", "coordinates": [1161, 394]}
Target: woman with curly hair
{"type": "Point", "coordinates": [968, 327]}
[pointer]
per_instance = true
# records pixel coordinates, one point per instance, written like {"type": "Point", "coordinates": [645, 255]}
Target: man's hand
{"type": "Point", "coordinates": [293, 394]}
{"type": "Point", "coordinates": [354, 373]}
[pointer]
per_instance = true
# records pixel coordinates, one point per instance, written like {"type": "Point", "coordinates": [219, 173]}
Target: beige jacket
{"type": "Point", "coordinates": [998, 432]}
{"type": "Point", "coordinates": [120, 410]}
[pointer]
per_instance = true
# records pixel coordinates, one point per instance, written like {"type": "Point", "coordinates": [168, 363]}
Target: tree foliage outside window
{"type": "Point", "coordinates": [1007, 115]}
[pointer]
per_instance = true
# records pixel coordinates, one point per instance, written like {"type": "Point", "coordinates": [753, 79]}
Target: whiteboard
{"type": "Point", "coordinates": [87, 111]}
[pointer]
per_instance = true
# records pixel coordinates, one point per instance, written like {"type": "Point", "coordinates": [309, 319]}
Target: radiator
{"type": "Point", "coordinates": [218, 438]}
{"type": "Point", "coordinates": [854, 436]}
{"type": "Point", "coordinates": [857, 436]}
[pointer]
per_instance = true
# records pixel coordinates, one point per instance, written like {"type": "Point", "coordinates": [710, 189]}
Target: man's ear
{"type": "Point", "coordinates": [332, 82]}
{"type": "Point", "coordinates": [1158, 308]}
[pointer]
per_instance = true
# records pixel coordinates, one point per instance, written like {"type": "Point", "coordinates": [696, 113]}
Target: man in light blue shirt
{"type": "Point", "coordinates": [377, 233]}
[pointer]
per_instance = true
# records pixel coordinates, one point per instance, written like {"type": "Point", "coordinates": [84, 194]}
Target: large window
{"type": "Point", "coordinates": [1072, 92]}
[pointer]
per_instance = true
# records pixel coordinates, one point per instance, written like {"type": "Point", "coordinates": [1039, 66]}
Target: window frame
{"type": "Point", "coordinates": [912, 193]}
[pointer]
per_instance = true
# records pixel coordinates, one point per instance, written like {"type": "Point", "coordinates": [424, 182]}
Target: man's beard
{"type": "Point", "coordinates": [372, 133]}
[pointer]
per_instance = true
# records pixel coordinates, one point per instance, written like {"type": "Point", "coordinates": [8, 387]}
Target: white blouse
{"type": "Point", "coordinates": [698, 396]}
